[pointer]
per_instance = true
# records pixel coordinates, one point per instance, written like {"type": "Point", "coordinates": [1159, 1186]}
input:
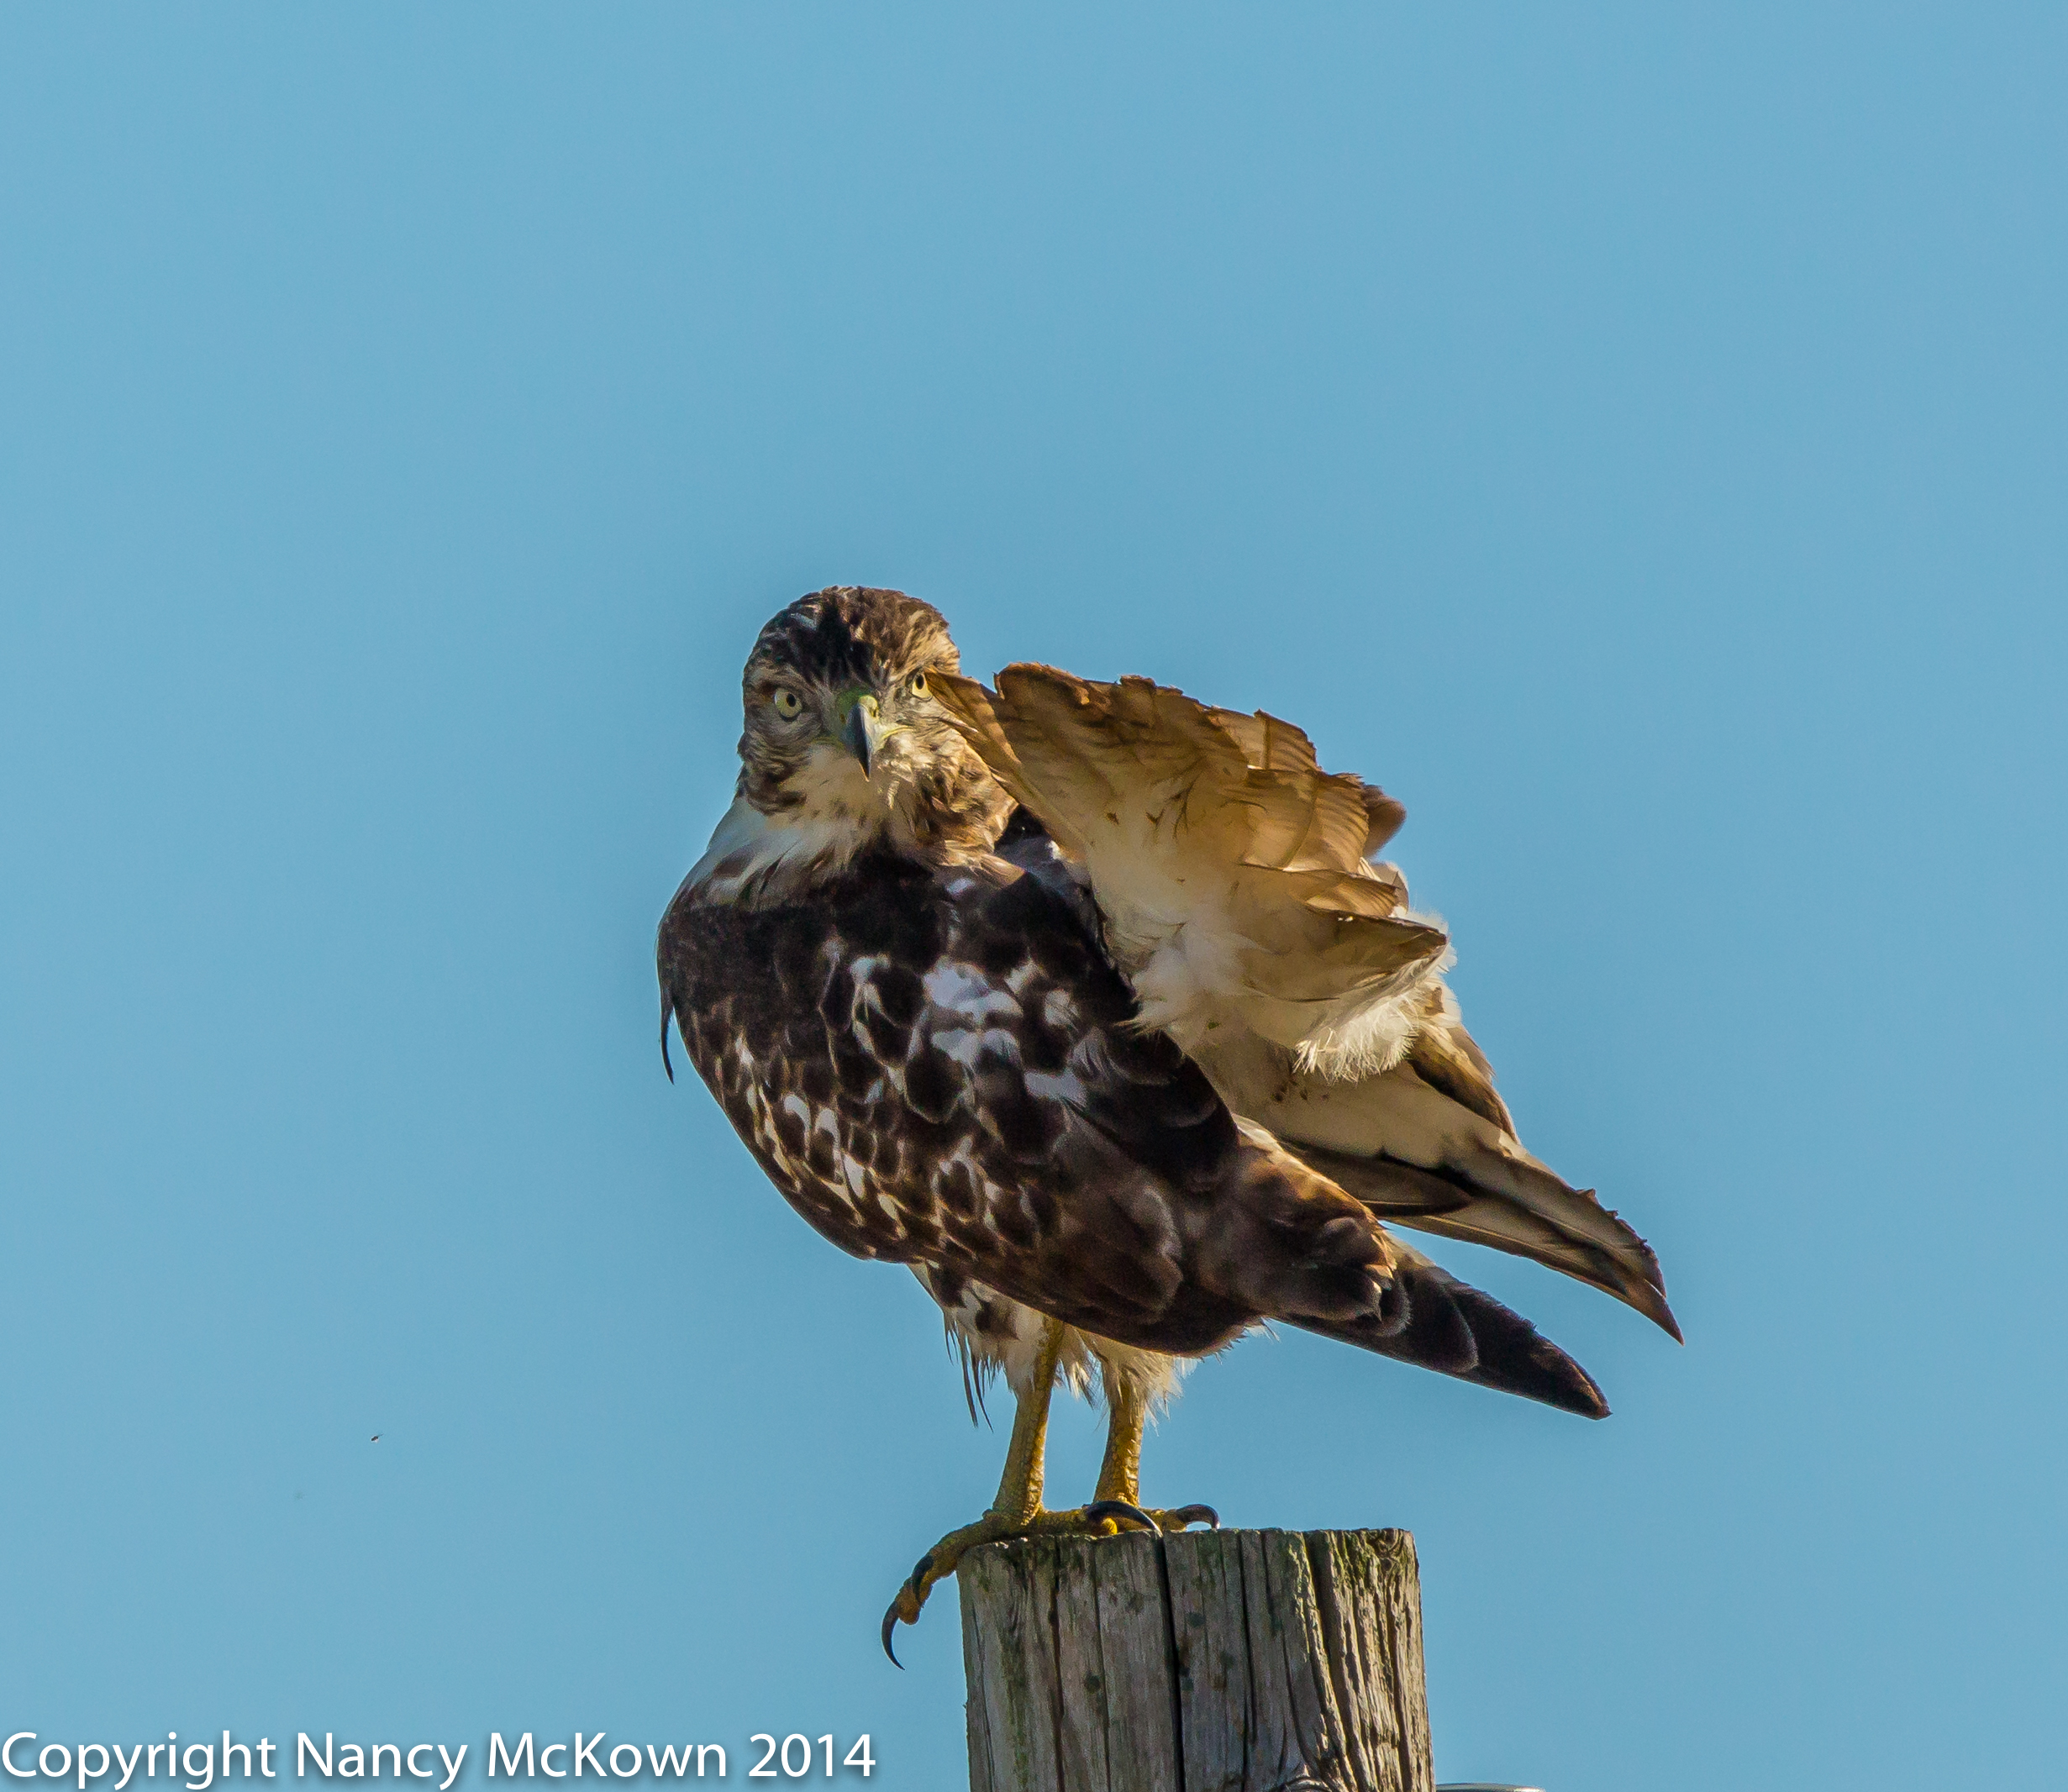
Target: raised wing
{"type": "Point", "coordinates": [1229, 868]}
{"type": "Point", "coordinates": [1231, 873]}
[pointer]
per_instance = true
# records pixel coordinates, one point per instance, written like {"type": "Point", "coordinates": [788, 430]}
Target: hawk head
{"type": "Point", "coordinates": [845, 746]}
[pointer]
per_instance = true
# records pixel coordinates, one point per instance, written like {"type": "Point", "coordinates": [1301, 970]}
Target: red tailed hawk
{"type": "Point", "coordinates": [1088, 1003]}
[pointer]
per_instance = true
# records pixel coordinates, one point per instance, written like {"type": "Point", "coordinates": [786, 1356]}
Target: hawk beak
{"type": "Point", "coordinates": [864, 733]}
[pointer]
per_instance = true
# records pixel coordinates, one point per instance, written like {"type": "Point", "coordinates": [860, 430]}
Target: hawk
{"type": "Point", "coordinates": [1093, 1005]}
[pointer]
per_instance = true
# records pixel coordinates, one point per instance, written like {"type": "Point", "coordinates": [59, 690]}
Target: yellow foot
{"type": "Point", "coordinates": [1102, 1518]}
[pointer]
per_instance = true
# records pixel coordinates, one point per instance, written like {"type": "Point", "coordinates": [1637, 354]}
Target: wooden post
{"type": "Point", "coordinates": [1210, 1661]}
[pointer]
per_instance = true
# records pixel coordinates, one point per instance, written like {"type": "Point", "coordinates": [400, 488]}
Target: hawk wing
{"type": "Point", "coordinates": [1231, 875]}
{"type": "Point", "coordinates": [1228, 868]}
{"type": "Point", "coordinates": [943, 1069]}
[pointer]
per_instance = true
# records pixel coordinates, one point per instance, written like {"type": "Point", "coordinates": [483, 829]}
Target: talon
{"type": "Point", "coordinates": [1195, 1514]}
{"type": "Point", "coordinates": [911, 1598]}
{"type": "Point", "coordinates": [1121, 1508]}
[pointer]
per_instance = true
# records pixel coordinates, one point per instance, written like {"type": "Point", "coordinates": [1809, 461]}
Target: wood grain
{"type": "Point", "coordinates": [1230, 1661]}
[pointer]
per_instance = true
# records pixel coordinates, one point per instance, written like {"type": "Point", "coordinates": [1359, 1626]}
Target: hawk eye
{"type": "Point", "coordinates": [788, 704]}
{"type": "Point", "coordinates": [918, 686]}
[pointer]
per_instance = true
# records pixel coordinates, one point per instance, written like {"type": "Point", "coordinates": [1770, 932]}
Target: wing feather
{"type": "Point", "coordinates": [1232, 877]}
{"type": "Point", "coordinates": [1228, 867]}
{"type": "Point", "coordinates": [1363, 1135]}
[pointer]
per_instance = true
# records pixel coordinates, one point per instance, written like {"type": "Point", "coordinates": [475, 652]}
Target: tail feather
{"type": "Point", "coordinates": [1454, 1328]}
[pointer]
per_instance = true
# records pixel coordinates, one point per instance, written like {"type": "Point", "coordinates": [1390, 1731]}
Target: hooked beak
{"type": "Point", "coordinates": [864, 733]}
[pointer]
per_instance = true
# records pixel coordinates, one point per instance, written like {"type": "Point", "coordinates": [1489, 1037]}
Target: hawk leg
{"type": "Point", "coordinates": [1120, 1473]}
{"type": "Point", "coordinates": [1016, 1510]}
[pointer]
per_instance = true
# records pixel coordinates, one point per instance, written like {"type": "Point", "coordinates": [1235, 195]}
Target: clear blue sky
{"type": "Point", "coordinates": [1633, 437]}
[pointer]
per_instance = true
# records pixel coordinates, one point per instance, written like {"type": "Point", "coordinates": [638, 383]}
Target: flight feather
{"type": "Point", "coordinates": [1234, 879]}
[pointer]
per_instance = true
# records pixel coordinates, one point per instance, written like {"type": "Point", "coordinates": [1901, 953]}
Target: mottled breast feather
{"type": "Point", "coordinates": [935, 1066]}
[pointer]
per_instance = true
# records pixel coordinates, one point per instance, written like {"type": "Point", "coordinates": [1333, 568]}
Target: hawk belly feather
{"type": "Point", "coordinates": [935, 1068]}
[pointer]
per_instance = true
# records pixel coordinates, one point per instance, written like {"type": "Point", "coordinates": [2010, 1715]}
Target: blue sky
{"type": "Point", "coordinates": [1632, 437]}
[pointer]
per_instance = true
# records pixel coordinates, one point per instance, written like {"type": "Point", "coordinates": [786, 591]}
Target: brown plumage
{"type": "Point", "coordinates": [1119, 1072]}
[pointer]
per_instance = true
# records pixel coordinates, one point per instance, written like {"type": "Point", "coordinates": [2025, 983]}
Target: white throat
{"type": "Point", "coordinates": [757, 857]}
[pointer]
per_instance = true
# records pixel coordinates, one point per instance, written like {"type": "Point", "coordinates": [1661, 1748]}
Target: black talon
{"type": "Point", "coordinates": [1197, 1515]}
{"type": "Point", "coordinates": [912, 1587]}
{"type": "Point", "coordinates": [1121, 1508]}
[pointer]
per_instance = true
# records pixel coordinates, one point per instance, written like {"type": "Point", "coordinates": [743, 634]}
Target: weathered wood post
{"type": "Point", "coordinates": [1210, 1661]}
